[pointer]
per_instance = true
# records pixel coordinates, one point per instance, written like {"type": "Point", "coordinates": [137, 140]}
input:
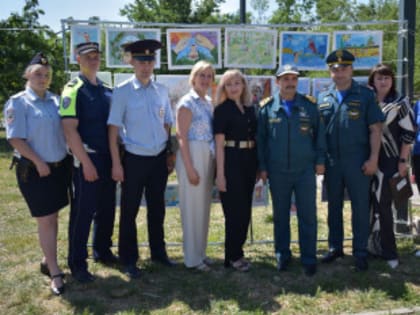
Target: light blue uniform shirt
{"type": "Point", "coordinates": [141, 112]}
{"type": "Point", "coordinates": [38, 122]}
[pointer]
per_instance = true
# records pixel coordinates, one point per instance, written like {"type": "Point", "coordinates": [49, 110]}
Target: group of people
{"type": "Point", "coordinates": [74, 151]}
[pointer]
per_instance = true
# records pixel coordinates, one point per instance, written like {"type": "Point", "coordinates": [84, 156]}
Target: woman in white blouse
{"type": "Point", "coordinates": [195, 164]}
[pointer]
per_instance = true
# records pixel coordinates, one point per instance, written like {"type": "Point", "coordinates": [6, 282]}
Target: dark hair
{"type": "Point", "coordinates": [383, 69]}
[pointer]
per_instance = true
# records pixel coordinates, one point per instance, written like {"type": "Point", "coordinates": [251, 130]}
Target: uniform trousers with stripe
{"type": "Point", "coordinates": [92, 201]}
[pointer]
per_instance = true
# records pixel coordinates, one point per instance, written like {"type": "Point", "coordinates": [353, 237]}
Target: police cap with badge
{"type": "Point", "coordinates": [143, 50]}
{"type": "Point", "coordinates": [87, 47]}
{"type": "Point", "coordinates": [340, 58]}
{"type": "Point", "coordinates": [39, 59]}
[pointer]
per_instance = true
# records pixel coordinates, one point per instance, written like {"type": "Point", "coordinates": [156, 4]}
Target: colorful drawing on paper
{"type": "Point", "coordinates": [250, 48]}
{"type": "Point", "coordinates": [187, 46]}
{"type": "Point", "coordinates": [115, 37]}
{"type": "Point", "coordinates": [260, 88]}
{"type": "Point", "coordinates": [366, 46]}
{"type": "Point", "coordinates": [319, 85]}
{"type": "Point", "coordinates": [306, 50]}
{"type": "Point", "coordinates": [303, 87]}
{"type": "Point", "coordinates": [177, 85]}
{"type": "Point", "coordinates": [81, 34]}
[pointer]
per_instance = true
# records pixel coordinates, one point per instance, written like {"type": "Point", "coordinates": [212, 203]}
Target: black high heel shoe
{"type": "Point", "coordinates": [43, 267]}
{"type": "Point", "coordinates": [57, 290]}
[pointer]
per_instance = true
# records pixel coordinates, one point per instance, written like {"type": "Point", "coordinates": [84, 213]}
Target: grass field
{"type": "Point", "coordinates": [335, 289]}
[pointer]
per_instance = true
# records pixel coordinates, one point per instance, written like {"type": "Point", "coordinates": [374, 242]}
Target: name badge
{"type": "Point", "coordinates": [274, 120]}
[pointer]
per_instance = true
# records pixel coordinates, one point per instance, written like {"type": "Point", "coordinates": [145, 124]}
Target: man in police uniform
{"type": "Point", "coordinates": [141, 112]}
{"type": "Point", "coordinates": [291, 150]}
{"type": "Point", "coordinates": [84, 109]}
{"type": "Point", "coordinates": [353, 123]}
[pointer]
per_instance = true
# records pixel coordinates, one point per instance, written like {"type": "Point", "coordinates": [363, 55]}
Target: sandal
{"type": "Point", "coordinates": [240, 265]}
{"type": "Point", "coordinates": [202, 267]}
{"type": "Point", "coordinates": [57, 290]}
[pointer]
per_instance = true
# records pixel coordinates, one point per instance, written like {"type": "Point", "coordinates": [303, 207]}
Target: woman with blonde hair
{"type": "Point", "coordinates": [235, 127]}
{"type": "Point", "coordinates": [33, 128]}
{"type": "Point", "coordinates": [195, 164]}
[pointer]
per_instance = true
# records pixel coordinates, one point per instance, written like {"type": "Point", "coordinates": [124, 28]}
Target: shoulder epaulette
{"type": "Point", "coordinates": [73, 82]}
{"type": "Point", "coordinates": [18, 94]}
{"type": "Point", "coordinates": [265, 101]}
{"type": "Point", "coordinates": [311, 98]}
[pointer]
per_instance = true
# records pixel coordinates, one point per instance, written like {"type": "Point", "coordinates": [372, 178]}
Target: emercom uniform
{"type": "Point", "coordinates": [90, 105]}
{"type": "Point", "coordinates": [289, 147]}
{"type": "Point", "coordinates": [347, 129]}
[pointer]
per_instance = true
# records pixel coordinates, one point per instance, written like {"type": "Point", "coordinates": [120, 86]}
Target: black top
{"type": "Point", "coordinates": [234, 124]}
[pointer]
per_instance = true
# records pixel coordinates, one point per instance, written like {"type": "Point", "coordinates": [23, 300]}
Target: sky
{"type": "Point", "coordinates": [107, 10]}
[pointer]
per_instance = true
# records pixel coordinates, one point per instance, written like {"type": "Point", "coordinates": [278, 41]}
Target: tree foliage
{"type": "Point", "coordinates": [171, 11]}
{"type": "Point", "coordinates": [21, 37]}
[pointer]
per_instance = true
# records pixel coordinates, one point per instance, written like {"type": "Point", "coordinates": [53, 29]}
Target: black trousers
{"type": "Point", "coordinates": [147, 174]}
{"type": "Point", "coordinates": [240, 171]}
{"type": "Point", "coordinates": [93, 201]}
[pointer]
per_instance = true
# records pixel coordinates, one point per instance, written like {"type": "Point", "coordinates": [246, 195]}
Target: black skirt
{"type": "Point", "coordinates": [44, 195]}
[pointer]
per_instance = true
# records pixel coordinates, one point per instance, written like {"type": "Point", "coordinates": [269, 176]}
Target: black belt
{"type": "Point", "coordinates": [245, 144]}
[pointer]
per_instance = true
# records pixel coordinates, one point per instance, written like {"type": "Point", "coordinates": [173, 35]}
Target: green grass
{"type": "Point", "coordinates": [335, 289]}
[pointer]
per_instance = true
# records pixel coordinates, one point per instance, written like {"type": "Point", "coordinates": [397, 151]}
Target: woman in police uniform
{"type": "Point", "coordinates": [234, 126]}
{"type": "Point", "coordinates": [33, 128]}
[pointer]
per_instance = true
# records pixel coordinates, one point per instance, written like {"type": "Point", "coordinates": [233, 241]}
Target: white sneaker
{"type": "Point", "coordinates": [393, 263]}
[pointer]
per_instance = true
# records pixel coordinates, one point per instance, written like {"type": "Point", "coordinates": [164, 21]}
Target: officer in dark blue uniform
{"type": "Point", "coordinates": [84, 109]}
{"type": "Point", "coordinates": [141, 114]}
{"type": "Point", "coordinates": [291, 150]}
{"type": "Point", "coordinates": [353, 123]}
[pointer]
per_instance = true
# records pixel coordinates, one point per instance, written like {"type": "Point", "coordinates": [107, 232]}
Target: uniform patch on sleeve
{"type": "Point", "coordinates": [10, 116]}
{"type": "Point", "coordinates": [66, 102]}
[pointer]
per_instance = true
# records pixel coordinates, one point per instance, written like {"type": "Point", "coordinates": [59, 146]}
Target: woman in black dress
{"type": "Point", "coordinates": [234, 126]}
{"type": "Point", "coordinates": [398, 135]}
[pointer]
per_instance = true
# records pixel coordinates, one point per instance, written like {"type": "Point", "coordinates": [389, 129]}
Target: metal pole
{"type": "Point", "coordinates": [242, 11]}
{"type": "Point", "coordinates": [406, 54]}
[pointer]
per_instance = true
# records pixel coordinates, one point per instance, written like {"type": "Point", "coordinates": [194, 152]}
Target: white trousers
{"type": "Point", "coordinates": [195, 201]}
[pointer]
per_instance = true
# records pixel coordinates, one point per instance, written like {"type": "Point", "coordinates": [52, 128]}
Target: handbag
{"type": "Point", "coordinates": [401, 189]}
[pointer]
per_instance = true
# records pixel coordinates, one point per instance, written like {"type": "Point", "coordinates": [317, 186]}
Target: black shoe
{"type": "Point", "coordinates": [361, 264]}
{"type": "Point", "coordinates": [107, 260]}
{"type": "Point", "coordinates": [57, 290]}
{"type": "Point", "coordinates": [132, 271]}
{"type": "Point", "coordinates": [310, 269]}
{"type": "Point", "coordinates": [164, 260]}
{"type": "Point", "coordinates": [332, 255]}
{"type": "Point", "coordinates": [83, 276]}
{"type": "Point", "coordinates": [43, 267]}
{"type": "Point", "coordinates": [282, 264]}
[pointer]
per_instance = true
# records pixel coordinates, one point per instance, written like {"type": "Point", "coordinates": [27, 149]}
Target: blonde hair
{"type": "Point", "coordinates": [32, 68]}
{"type": "Point", "coordinates": [200, 66]}
{"type": "Point", "coordinates": [221, 91]}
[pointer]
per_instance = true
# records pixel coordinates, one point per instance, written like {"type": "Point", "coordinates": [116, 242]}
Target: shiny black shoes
{"type": "Point", "coordinates": [332, 255]}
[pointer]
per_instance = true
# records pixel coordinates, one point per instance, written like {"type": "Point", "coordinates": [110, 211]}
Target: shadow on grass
{"type": "Point", "coordinates": [179, 290]}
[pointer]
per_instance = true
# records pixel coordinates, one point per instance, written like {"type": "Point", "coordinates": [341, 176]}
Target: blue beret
{"type": "Point", "coordinates": [39, 59]}
{"type": "Point", "coordinates": [142, 49]}
{"type": "Point", "coordinates": [340, 57]}
{"type": "Point", "coordinates": [87, 47]}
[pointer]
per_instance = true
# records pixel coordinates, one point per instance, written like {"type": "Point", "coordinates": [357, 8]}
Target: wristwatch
{"type": "Point", "coordinates": [402, 160]}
